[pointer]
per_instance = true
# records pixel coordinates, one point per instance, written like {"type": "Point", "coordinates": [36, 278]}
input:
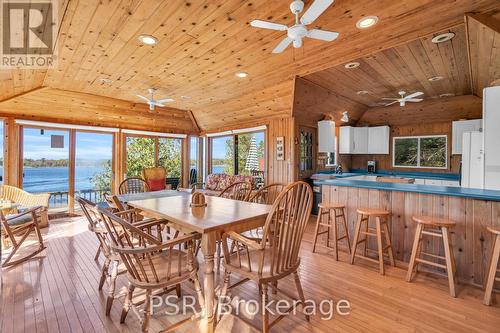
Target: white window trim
{"type": "Point", "coordinates": [418, 152]}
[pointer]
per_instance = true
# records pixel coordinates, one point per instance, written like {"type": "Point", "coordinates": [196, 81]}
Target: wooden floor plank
{"type": "Point", "coordinates": [57, 292]}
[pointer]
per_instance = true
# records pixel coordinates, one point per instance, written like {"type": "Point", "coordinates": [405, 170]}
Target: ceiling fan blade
{"type": "Point", "coordinates": [282, 45]}
{"type": "Point", "coordinates": [159, 104]}
{"type": "Point", "coordinates": [390, 99]}
{"type": "Point", "coordinates": [314, 11]}
{"type": "Point", "coordinates": [391, 103]}
{"type": "Point", "coordinates": [165, 100]}
{"type": "Point", "coordinates": [419, 93]}
{"type": "Point", "coordinates": [327, 36]}
{"type": "Point", "coordinates": [268, 25]}
{"type": "Point", "coordinates": [144, 98]}
{"type": "Point", "coordinates": [415, 100]}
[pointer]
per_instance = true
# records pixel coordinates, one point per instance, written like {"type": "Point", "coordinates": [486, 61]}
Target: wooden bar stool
{"type": "Point", "coordinates": [339, 213]}
{"type": "Point", "coordinates": [436, 228]}
{"type": "Point", "coordinates": [381, 219]}
{"type": "Point", "coordinates": [493, 270]}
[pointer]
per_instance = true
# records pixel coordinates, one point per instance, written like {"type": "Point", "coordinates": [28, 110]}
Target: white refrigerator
{"type": "Point", "coordinates": [472, 160]}
{"type": "Point", "coordinates": [491, 138]}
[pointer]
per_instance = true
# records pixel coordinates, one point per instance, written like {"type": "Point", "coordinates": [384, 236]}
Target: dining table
{"type": "Point", "coordinates": [211, 221]}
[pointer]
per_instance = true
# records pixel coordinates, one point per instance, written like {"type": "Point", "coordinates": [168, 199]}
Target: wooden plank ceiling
{"type": "Point", "coordinates": [202, 44]}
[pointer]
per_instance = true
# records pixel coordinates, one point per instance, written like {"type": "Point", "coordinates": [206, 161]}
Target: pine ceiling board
{"type": "Point", "coordinates": [429, 111]}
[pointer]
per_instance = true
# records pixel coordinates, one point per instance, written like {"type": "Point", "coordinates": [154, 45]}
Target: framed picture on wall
{"type": "Point", "coordinates": [280, 148]}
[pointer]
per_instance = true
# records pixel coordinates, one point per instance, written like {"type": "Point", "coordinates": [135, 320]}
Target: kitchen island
{"type": "Point", "coordinates": [472, 209]}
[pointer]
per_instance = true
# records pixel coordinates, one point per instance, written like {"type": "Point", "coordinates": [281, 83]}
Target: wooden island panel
{"type": "Point", "coordinates": [470, 239]}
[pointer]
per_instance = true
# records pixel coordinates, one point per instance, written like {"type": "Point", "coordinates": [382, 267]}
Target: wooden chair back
{"type": "Point", "coordinates": [267, 194]}
{"type": "Point", "coordinates": [133, 185]}
{"type": "Point", "coordinates": [285, 226]}
{"type": "Point", "coordinates": [139, 251]}
{"type": "Point", "coordinates": [237, 191]}
{"type": "Point", "coordinates": [95, 224]}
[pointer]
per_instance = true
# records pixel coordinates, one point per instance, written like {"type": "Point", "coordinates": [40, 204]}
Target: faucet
{"type": "Point", "coordinates": [338, 169]}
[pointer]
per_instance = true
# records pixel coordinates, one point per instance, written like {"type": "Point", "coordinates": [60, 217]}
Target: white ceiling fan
{"type": "Point", "coordinates": [298, 31]}
{"type": "Point", "coordinates": [152, 102]}
{"type": "Point", "coordinates": [404, 98]}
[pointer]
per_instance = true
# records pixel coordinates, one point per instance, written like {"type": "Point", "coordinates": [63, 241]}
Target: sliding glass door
{"type": "Point", "coordinates": [46, 164]}
{"type": "Point", "coordinates": [93, 165]}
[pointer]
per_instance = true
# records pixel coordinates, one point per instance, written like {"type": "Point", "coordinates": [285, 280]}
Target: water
{"type": "Point", "coordinates": [57, 179]}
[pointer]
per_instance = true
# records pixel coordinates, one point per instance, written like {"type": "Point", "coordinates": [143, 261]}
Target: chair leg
{"type": "Point", "coordinates": [274, 290]}
{"type": "Point", "coordinates": [300, 291]}
{"type": "Point", "coordinates": [219, 247]}
{"type": "Point", "coordinates": [199, 292]}
{"type": "Point", "coordinates": [344, 222]}
{"type": "Point", "coordinates": [112, 286]}
{"type": "Point", "coordinates": [335, 235]}
{"type": "Point", "coordinates": [449, 265]}
{"type": "Point", "coordinates": [388, 242]}
{"type": "Point", "coordinates": [380, 246]}
{"type": "Point", "coordinates": [318, 221]}
{"type": "Point", "coordinates": [104, 273]}
{"type": "Point", "coordinates": [490, 278]}
{"type": "Point", "coordinates": [178, 291]}
{"type": "Point", "coordinates": [98, 253]}
{"type": "Point", "coordinates": [225, 285]}
{"type": "Point", "coordinates": [147, 312]}
{"type": "Point", "coordinates": [414, 252]}
{"type": "Point", "coordinates": [356, 238]}
{"type": "Point", "coordinates": [265, 315]}
{"type": "Point", "coordinates": [127, 303]}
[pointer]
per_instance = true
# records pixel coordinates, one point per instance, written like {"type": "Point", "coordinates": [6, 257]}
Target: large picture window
{"type": "Point", "coordinates": [421, 152]}
{"type": "Point", "coordinates": [240, 154]}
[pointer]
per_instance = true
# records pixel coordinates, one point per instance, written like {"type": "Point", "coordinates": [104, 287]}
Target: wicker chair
{"type": "Point", "coordinates": [27, 200]}
{"type": "Point", "coordinates": [237, 191]}
{"type": "Point", "coordinates": [133, 185]}
{"type": "Point", "coordinates": [152, 265]}
{"type": "Point", "coordinates": [277, 255]}
{"type": "Point", "coordinates": [17, 228]}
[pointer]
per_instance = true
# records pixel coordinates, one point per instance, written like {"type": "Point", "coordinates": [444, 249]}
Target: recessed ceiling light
{"type": "Point", "coordinates": [447, 95]}
{"type": "Point", "coordinates": [186, 97]}
{"type": "Point", "coordinates": [148, 39]}
{"type": "Point", "coordinates": [352, 65]}
{"type": "Point", "coordinates": [367, 22]}
{"type": "Point", "coordinates": [363, 92]}
{"type": "Point", "coordinates": [435, 78]}
{"type": "Point", "coordinates": [241, 74]}
{"type": "Point", "coordinates": [443, 37]}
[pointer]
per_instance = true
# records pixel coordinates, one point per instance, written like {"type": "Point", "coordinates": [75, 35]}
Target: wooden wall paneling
{"type": "Point", "coordinates": [460, 235]}
{"type": "Point", "coordinates": [482, 212]}
{"type": "Point", "coordinates": [12, 153]}
{"type": "Point", "coordinates": [280, 171]}
{"type": "Point", "coordinates": [411, 209]}
{"type": "Point", "coordinates": [398, 225]}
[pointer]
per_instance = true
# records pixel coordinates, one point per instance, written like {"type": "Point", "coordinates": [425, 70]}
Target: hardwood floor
{"type": "Point", "coordinates": [57, 292]}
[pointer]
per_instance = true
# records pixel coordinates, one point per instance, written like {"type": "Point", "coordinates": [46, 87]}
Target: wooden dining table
{"type": "Point", "coordinates": [220, 215]}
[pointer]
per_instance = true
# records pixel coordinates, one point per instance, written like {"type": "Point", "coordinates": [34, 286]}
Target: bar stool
{"type": "Point", "coordinates": [438, 228]}
{"type": "Point", "coordinates": [381, 219]}
{"type": "Point", "coordinates": [493, 270]}
{"type": "Point", "coordinates": [339, 217]}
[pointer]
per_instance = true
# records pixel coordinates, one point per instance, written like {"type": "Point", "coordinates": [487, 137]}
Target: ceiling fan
{"type": "Point", "coordinates": [298, 31]}
{"type": "Point", "coordinates": [152, 102]}
{"type": "Point", "coordinates": [404, 98]}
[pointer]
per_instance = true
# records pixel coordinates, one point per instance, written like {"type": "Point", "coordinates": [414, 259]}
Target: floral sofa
{"type": "Point", "coordinates": [217, 182]}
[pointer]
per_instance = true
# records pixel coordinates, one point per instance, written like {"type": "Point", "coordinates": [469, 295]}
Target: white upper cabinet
{"type": "Point", "coordinates": [459, 127]}
{"type": "Point", "coordinates": [326, 136]}
{"type": "Point", "coordinates": [378, 140]}
{"type": "Point", "coordinates": [364, 140]}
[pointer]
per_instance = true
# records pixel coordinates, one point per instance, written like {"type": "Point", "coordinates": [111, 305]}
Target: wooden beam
{"type": "Point", "coordinates": [193, 119]}
{"type": "Point", "coordinates": [485, 20]}
{"type": "Point", "coordinates": [23, 94]}
{"type": "Point", "coordinates": [469, 55]}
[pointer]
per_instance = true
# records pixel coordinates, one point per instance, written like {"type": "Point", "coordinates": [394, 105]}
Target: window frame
{"type": "Point", "coordinates": [418, 137]}
{"type": "Point", "coordinates": [235, 149]}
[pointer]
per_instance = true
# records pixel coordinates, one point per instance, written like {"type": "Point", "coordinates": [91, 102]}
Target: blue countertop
{"type": "Point", "coordinates": [491, 195]}
{"type": "Point", "coordinates": [405, 174]}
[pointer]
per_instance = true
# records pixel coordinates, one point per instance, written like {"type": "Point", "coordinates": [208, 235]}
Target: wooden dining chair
{"type": "Point", "coordinates": [267, 194]}
{"type": "Point", "coordinates": [133, 185]}
{"type": "Point", "coordinates": [277, 255]}
{"type": "Point", "coordinates": [237, 191]}
{"type": "Point", "coordinates": [153, 266]}
{"type": "Point", "coordinates": [16, 228]}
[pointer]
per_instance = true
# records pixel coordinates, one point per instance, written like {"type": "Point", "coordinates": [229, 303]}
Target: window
{"type": "Point", "coordinates": [306, 150]}
{"type": "Point", "coordinates": [170, 156]}
{"type": "Point", "coordinates": [241, 154]}
{"type": "Point", "coordinates": [421, 152]}
{"type": "Point", "coordinates": [140, 155]}
{"type": "Point", "coordinates": [194, 160]}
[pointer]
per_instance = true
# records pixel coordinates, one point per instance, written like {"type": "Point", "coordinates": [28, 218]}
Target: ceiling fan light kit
{"type": "Point", "coordinates": [297, 32]}
{"type": "Point", "coordinates": [152, 102]}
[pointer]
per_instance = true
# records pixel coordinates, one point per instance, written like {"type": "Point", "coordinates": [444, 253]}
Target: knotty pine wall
{"type": "Point", "coordinates": [384, 162]}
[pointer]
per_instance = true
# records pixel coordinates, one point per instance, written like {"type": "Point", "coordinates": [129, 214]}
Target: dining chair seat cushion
{"type": "Point", "coordinates": [166, 266]}
{"type": "Point", "coordinates": [157, 184]}
{"type": "Point", "coordinates": [12, 220]}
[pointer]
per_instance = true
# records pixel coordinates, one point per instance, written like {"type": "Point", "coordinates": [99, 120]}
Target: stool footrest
{"type": "Point", "coordinates": [427, 262]}
{"type": "Point", "coordinates": [368, 233]}
{"type": "Point", "coordinates": [343, 237]}
{"type": "Point", "coordinates": [497, 279]}
{"type": "Point", "coordinates": [431, 233]}
{"type": "Point", "coordinates": [322, 232]}
{"type": "Point", "coordinates": [387, 247]}
{"type": "Point", "coordinates": [367, 258]}
{"type": "Point", "coordinates": [361, 241]}
{"type": "Point", "coordinates": [432, 255]}
{"type": "Point", "coordinates": [326, 225]}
